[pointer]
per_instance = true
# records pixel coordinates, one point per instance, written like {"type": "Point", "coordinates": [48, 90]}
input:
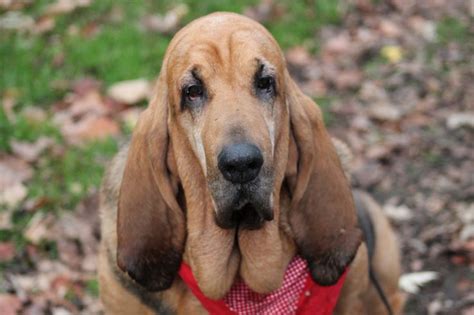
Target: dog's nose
{"type": "Point", "coordinates": [240, 163]}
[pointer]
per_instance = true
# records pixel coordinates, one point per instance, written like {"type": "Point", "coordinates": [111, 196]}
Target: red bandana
{"type": "Point", "coordinates": [298, 295]}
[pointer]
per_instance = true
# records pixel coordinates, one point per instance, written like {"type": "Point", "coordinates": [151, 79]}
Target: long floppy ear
{"type": "Point", "coordinates": [150, 224]}
{"type": "Point", "coordinates": [322, 216]}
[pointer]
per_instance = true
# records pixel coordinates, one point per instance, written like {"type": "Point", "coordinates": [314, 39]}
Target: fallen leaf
{"type": "Point", "coordinates": [398, 213]}
{"type": "Point", "coordinates": [9, 304]}
{"type": "Point", "coordinates": [38, 228]}
{"type": "Point", "coordinates": [10, 5]}
{"type": "Point", "coordinates": [467, 233]}
{"type": "Point", "coordinates": [44, 24]}
{"type": "Point", "coordinates": [360, 122]}
{"type": "Point", "coordinates": [298, 56]}
{"type": "Point", "coordinates": [378, 151]}
{"type": "Point", "coordinates": [403, 5]}
{"type": "Point", "coordinates": [461, 252]}
{"type": "Point", "coordinates": [384, 112]}
{"type": "Point", "coordinates": [90, 128]}
{"type": "Point", "coordinates": [9, 100]}
{"type": "Point", "coordinates": [31, 151]}
{"type": "Point", "coordinates": [130, 92]}
{"type": "Point", "coordinates": [459, 120]}
{"type": "Point", "coordinates": [263, 11]}
{"type": "Point", "coordinates": [435, 307]}
{"type": "Point", "coordinates": [13, 194]}
{"type": "Point", "coordinates": [371, 92]}
{"type": "Point", "coordinates": [130, 117]}
{"type": "Point", "coordinates": [13, 171]}
{"type": "Point", "coordinates": [35, 308]}
{"type": "Point", "coordinates": [7, 251]}
{"type": "Point", "coordinates": [392, 53]}
{"type": "Point", "coordinates": [368, 174]}
{"type": "Point", "coordinates": [412, 282]}
{"type": "Point", "coordinates": [85, 85]}
{"type": "Point", "coordinates": [168, 23]}
{"type": "Point", "coordinates": [6, 219]}
{"type": "Point", "coordinates": [315, 88]}
{"type": "Point", "coordinates": [16, 21]}
{"type": "Point", "coordinates": [389, 28]}
{"type": "Point", "coordinates": [348, 79]}
{"type": "Point", "coordinates": [60, 311]}
{"type": "Point", "coordinates": [34, 115]}
{"type": "Point", "coordinates": [465, 212]}
{"type": "Point", "coordinates": [89, 103]}
{"type": "Point", "coordinates": [337, 45]}
{"type": "Point", "coordinates": [66, 6]}
{"type": "Point", "coordinates": [423, 27]}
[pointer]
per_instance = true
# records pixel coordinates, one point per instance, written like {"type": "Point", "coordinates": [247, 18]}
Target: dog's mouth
{"type": "Point", "coordinates": [249, 218]}
{"type": "Point", "coordinates": [243, 206]}
{"type": "Point", "coordinates": [244, 214]}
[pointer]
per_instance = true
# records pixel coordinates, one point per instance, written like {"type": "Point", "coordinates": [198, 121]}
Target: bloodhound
{"type": "Point", "coordinates": [230, 171]}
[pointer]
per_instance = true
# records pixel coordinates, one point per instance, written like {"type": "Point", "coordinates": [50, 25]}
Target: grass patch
{"type": "Point", "coordinates": [23, 129]}
{"type": "Point", "coordinates": [302, 20]}
{"type": "Point", "coordinates": [119, 50]}
{"type": "Point", "coordinates": [452, 29]}
{"type": "Point", "coordinates": [20, 220]}
{"type": "Point", "coordinates": [92, 286]}
{"type": "Point", "coordinates": [325, 104]}
{"type": "Point", "coordinates": [71, 175]}
{"type": "Point", "coordinates": [434, 159]}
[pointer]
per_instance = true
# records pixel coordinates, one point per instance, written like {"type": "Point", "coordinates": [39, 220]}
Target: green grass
{"type": "Point", "coordinates": [60, 181]}
{"type": "Point", "coordinates": [324, 104]}
{"type": "Point", "coordinates": [302, 20]}
{"type": "Point", "coordinates": [452, 29]}
{"type": "Point", "coordinates": [92, 286]}
{"type": "Point", "coordinates": [71, 175]}
{"type": "Point", "coordinates": [22, 129]}
{"type": "Point", "coordinates": [122, 50]}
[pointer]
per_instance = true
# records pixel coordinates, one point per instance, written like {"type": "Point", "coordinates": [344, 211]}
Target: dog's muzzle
{"type": "Point", "coordinates": [244, 196]}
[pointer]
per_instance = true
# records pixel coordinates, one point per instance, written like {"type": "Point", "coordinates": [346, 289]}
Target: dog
{"type": "Point", "coordinates": [231, 173]}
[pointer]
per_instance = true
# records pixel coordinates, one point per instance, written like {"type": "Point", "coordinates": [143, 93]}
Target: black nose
{"type": "Point", "coordinates": [240, 163]}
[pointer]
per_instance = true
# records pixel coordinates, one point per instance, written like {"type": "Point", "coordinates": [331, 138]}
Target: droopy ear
{"type": "Point", "coordinates": [322, 216]}
{"type": "Point", "coordinates": [150, 224]}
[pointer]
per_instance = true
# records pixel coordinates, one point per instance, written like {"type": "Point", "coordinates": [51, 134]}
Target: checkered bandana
{"type": "Point", "coordinates": [242, 300]}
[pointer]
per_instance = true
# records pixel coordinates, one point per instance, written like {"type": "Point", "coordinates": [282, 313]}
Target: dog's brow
{"type": "Point", "coordinates": [191, 76]}
{"type": "Point", "coordinates": [265, 68]}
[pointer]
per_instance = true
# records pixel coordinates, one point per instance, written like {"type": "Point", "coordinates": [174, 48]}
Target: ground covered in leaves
{"type": "Point", "coordinates": [394, 78]}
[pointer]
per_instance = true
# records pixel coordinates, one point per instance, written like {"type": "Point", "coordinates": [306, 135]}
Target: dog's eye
{"type": "Point", "coordinates": [194, 92]}
{"type": "Point", "coordinates": [265, 83]}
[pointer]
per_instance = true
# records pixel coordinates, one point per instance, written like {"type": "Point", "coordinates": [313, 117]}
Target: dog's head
{"type": "Point", "coordinates": [227, 98]}
{"type": "Point", "coordinates": [232, 152]}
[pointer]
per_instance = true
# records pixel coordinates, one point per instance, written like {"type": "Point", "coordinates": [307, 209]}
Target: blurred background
{"type": "Point", "coordinates": [393, 77]}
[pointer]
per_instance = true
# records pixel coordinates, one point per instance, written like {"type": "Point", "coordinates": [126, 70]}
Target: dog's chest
{"type": "Point", "coordinates": [242, 300]}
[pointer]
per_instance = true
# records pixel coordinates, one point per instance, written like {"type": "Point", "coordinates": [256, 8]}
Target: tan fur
{"type": "Point", "coordinates": [156, 204]}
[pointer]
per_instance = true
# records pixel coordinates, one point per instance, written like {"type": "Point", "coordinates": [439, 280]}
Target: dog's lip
{"type": "Point", "coordinates": [246, 217]}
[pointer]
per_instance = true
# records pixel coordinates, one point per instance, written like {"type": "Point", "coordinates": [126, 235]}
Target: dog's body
{"type": "Point", "coordinates": [231, 171]}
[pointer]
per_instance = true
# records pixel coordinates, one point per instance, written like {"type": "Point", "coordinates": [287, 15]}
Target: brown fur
{"type": "Point", "coordinates": [159, 202]}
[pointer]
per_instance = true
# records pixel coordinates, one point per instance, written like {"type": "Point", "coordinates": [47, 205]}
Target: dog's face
{"type": "Point", "coordinates": [231, 168]}
{"type": "Point", "coordinates": [228, 98]}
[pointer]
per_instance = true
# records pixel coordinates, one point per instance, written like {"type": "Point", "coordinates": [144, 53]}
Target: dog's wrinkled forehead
{"type": "Point", "coordinates": [221, 41]}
